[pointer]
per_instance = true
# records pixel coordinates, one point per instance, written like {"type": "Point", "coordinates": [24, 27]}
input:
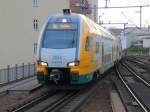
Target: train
{"type": "Point", "coordinates": [74, 50]}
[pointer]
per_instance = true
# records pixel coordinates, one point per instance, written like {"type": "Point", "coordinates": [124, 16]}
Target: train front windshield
{"type": "Point", "coordinates": [60, 36]}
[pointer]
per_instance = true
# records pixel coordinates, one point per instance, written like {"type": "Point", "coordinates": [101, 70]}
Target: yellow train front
{"type": "Point", "coordinates": [74, 50]}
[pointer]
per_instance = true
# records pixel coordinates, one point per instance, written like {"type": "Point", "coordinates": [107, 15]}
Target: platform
{"type": "Point", "coordinates": [117, 105]}
{"type": "Point", "coordinates": [24, 86]}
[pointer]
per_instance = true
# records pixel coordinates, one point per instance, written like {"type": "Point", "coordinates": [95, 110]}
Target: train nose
{"type": "Point", "coordinates": [58, 57]}
{"type": "Point", "coordinates": [55, 75]}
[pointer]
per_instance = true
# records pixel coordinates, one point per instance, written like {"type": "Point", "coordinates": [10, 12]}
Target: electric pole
{"type": "Point", "coordinates": [82, 5]}
{"type": "Point", "coordinates": [141, 16]}
{"type": "Point", "coordinates": [106, 3]}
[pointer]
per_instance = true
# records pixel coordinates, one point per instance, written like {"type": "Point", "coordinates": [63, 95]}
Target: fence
{"type": "Point", "coordinates": [137, 51]}
{"type": "Point", "coordinates": [15, 73]}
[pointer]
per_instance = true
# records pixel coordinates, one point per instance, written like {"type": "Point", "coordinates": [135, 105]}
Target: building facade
{"type": "Point", "coordinates": [146, 42]}
{"type": "Point", "coordinates": [137, 37]}
{"type": "Point", "coordinates": [86, 7]}
{"type": "Point", "coordinates": [20, 24]}
{"type": "Point", "coordinates": [93, 4]}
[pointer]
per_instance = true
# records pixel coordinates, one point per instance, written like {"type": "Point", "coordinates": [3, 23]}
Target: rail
{"type": "Point", "coordinates": [131, 91]}
{"type": "Point", "coordinates": [59, 100]}
{"type": "Point", "coordinates": [137, 76]}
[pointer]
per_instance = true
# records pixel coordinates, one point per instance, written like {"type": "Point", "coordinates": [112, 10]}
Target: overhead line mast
{"type": "Point", "coordinates": [141, 6]}
{"type": "Point", "coordinates": [124, 25]}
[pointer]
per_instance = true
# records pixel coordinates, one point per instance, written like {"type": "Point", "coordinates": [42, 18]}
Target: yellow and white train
{"type": "Point", "coordinates": [72, 49]}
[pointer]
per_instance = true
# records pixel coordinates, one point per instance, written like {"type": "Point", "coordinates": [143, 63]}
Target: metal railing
{"type": "Point", "coordinates": [18, 72]}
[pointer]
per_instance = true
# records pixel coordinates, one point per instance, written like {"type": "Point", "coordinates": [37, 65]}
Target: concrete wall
{"type": "Point", "coordinates": [17, 36]}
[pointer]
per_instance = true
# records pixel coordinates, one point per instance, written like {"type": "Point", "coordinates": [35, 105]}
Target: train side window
{"type": "Point", "coordinates": [88, 44]}
{"type": "Point", "coordinates": [97, 47]}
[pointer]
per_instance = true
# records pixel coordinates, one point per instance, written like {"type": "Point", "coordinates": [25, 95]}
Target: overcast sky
{"type": "Point", "coordinates": [130, 15]}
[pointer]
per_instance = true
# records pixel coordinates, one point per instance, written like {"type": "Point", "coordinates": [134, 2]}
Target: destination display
{"type": "Point", "coordinates": [60, 26]}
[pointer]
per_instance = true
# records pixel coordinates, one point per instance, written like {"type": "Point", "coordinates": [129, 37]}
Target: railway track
{"type": "Point", "coordinates": [48, 102]}
{"type": "Point", "coordinates": [139, 61]}
{"type": "Point", "coordinates": [59, 101]}
{"type": "Point", "coordinates": [32, 103]}
{"type": "Point", "coordinates": [140, 68]}
{"type": "Point", "coordinates": [55, 103]}
{"type": "Point", "coordinates": [141, 75]}
{"type": "Point", "coordinates": [136, 85]}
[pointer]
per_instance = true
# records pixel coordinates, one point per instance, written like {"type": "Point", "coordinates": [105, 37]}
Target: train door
{"type": "Point", "coordinates": [102, 52]}
{"type": "Point", "coordinates": [113, 53]}
{"type": "Point", "coordinates": [97, 53]}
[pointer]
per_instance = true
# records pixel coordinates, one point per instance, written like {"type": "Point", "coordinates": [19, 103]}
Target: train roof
{"type": "Point", "coordinates": [93, 27]}
{"type": "Point", "coordinates": [71, 17]}
{"type": "Point", "coordinates": [96, 28]}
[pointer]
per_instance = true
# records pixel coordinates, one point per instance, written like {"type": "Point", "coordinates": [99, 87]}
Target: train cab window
{"type": "Point", "coordinates": [60, 36]}
{"type": "Point", "coordinates": [88, 44]}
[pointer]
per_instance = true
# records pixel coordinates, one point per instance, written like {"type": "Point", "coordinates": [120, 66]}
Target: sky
{"type": "Point", "coordinates": [130, 15]}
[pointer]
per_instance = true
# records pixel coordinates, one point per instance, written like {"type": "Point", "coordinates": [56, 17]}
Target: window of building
{"type": "Point", "coordinates": [88, 44]}
{"type": "Point", "coordinates": [35, 3]}
{"type": "Point", "coordinates": [35, 48]}
{"type": "Point", "coordinates": [35, 24]}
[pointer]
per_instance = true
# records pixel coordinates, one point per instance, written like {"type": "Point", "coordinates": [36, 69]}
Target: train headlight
{"type": "Point", "coordinates": [75, 63]}
{"type": "Point", "coordinates": [43, 63]}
